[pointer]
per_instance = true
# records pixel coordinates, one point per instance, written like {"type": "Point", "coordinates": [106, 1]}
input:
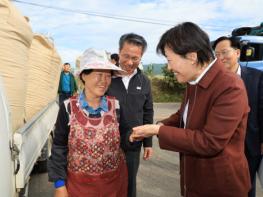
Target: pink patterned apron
{"type": "Point", "coordinates": [96, 164]}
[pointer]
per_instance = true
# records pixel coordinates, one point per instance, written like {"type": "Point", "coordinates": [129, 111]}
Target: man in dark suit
{"type": "Point", "coordinates": [133, 91]}
{"type": "Point", "coordinates": [227, 50]}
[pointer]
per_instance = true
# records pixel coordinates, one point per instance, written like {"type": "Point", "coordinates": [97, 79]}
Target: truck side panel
{"type": "Point", "coordinates": [30, 140]}
{"type": "Point", "coordinates": [7, 178]}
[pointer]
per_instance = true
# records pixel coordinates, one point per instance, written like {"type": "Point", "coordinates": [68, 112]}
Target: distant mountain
{"type": "Point", "coordinates": [157, 68]}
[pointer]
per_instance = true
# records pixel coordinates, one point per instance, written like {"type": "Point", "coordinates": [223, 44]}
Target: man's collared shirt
{"type": "Point", "coordinates": [126, 79]}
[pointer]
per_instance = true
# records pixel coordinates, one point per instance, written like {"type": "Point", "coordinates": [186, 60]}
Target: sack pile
{"type": "Point", "coordinates": [19, 51]}
{"type": "Point", "coordinates": [44, 68]}
{"type": "Point", "coordinates": [15, 38]}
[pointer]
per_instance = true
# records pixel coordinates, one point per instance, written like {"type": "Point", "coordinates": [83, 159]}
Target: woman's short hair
{"type": "Point", "coordinates": [185, 38]}
{"type": "Point", "coordinates": [85, 72]}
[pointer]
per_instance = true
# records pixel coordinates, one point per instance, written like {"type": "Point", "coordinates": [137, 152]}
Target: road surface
{"type": "Point", "coordinates": [158, 177]}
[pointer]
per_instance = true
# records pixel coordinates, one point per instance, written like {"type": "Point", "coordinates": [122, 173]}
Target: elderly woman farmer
{"type": "Point", "coordinates": [86, 158]}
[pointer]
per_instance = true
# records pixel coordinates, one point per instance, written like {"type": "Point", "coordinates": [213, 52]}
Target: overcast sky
{"type": "Point", "coordinates": [74, 27]}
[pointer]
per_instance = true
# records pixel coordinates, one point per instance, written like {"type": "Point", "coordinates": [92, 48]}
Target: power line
{"type": "Point", "coordinates": [116, 17]}
{"type": "Point", "coordinates": [90, 12]}
{"type": "Point", "coordinates": [124, 18]}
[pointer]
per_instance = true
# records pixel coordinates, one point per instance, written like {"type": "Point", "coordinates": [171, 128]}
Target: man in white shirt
{"type": "Point", "coordinates": [133, 90]}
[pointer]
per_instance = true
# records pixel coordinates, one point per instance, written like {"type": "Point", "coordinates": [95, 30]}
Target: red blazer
{"type": "Point", "coordinates": [212, 163]}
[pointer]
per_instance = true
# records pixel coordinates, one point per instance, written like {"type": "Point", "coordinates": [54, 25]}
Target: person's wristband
{"type": "Point", "coordinates": [59, 183]}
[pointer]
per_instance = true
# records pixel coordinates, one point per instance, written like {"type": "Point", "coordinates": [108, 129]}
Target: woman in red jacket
{"type": "Point", "coordinates": [209, 128]}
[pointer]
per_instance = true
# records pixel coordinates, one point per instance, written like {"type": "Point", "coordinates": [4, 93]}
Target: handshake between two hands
{"type": "Point", "coordinates": [144, 131]}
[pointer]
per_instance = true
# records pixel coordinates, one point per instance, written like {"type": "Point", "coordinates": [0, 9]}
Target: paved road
{"type": "Point", "coordinates": [158, 177]}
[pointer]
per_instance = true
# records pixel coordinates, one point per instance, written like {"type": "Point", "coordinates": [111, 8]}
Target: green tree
{"type": "Point", "coordinates": [170, 81]}
{"type": "Point", "coordinates": [149, 71]}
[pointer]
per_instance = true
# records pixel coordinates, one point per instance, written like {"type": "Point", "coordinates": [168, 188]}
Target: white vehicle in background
{"type": "Point", "coordinates": [251, 41]}
{"type": "Point", "coordinates": [22, 149]}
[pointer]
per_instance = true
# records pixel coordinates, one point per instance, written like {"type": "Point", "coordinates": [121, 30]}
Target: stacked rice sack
{"type": "Point", "coordinates": [44, 68]}
{"type": "Point", "coordinates": [29, 66]}
{"type": "Point", "coordinates": [15, 38]}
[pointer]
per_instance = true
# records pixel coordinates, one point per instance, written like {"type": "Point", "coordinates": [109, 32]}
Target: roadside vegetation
{"type": "Point", "coordinates": [165, 88]}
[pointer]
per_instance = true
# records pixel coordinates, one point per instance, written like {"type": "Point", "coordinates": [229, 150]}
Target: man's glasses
{"type": "Point", "coordinates": [224, 53]}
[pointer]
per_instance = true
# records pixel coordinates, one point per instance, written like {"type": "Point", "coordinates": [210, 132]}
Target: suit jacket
{"type": "Point", "coordinates": [253, 80]}
{"type": "Point", "coordinates": [212, 162]}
